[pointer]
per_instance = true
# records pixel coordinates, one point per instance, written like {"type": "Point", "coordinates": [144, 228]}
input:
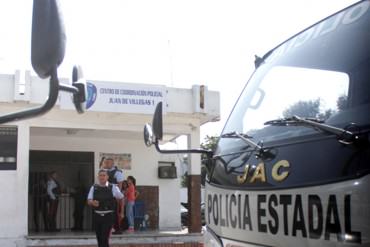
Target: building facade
{"type": "Point", "coordinates": [72, 144]}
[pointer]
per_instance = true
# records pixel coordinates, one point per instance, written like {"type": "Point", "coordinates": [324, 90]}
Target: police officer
{"type": "Point", "coordinates": [102, 198]}
{"type": "Point", "coordinates": [115, 174]}
{"type": "Point", "coordinates": [115, 177]}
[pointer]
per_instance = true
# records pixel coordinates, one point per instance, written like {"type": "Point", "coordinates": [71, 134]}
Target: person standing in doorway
{"type": "Point", "coordinates": [40, 201]}
{"type": "Point", "coordinates": [115, 174]}
{"type": "Point", "coordinates": [102, 198]}
{"type": "Point", "coordinates": [53, 192]}
{"type": "Point", "coordinates": [130, 195]}
{"type": "Point", "coordinates": [79, 196]}
{"type": "Point", "coordinates": [115, 177]}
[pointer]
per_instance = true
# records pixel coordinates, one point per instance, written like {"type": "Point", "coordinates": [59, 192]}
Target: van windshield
{"type": "Point", "coordinates": [322, 73]}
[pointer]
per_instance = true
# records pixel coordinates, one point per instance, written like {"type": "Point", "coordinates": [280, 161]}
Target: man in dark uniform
{"type": "Point", "coordinates": [115, 177]}
{"type": "Point", "coordinates": [102, 198]}
{"type": "Point", "coordinates": [79, 196]}
{"type": "Point", "coordinates": [115, 174]}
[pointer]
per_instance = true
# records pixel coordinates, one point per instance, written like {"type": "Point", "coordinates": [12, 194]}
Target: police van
{"type": "Point", "coordinates": [292, 164]}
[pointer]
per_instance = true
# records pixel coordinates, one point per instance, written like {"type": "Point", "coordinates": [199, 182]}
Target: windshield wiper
{"type": "Point", "coordinates": [263, 153]}
{"type": "Point", "coordinates": [344, 136]}
{"type": "Point", "coordinates": [245, 137]}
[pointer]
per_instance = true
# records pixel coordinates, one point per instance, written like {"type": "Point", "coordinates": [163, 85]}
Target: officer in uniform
{"type": "Point", "coordinates": [115, 177]}
{"type": "Point", "coordinates": [103, 198]}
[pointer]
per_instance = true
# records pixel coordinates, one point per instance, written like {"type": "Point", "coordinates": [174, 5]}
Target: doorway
{"type": "Point", "coordinates": [75, 175]}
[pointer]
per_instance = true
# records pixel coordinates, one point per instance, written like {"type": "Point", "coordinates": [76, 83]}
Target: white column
{"type": "Point", "coordinates": [23, 151]}
{"type": "Point", "coordinates": [14, 194]}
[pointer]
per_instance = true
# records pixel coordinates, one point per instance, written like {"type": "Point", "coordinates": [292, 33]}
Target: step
{"type": "Point", "coordinates": [137, 239]}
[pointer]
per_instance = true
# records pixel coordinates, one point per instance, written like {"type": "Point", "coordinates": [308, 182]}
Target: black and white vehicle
{"type": "Point", "coordinates": [292, 165]}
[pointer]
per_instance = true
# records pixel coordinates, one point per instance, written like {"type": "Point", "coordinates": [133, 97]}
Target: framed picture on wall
{"type": "Point", "coordinates": [122, 161]}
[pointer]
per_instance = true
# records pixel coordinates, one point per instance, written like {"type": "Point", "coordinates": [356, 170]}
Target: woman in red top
{"type": "Point", "coordinates": [130, 202]}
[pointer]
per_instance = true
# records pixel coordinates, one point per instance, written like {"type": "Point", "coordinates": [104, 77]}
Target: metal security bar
{"type": "Point", "coordinates": [72, 214]}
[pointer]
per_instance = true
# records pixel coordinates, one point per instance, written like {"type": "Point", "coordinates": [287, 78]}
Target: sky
{"type": "Point", "coordinates": [167, 42]}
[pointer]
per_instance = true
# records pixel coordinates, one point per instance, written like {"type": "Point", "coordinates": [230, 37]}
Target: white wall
{"type": "Point", "coordinates": [14, 195]}
{"type": "Point", "coordinates": [169, 197]}
{"type": "Point", "coordinates": [7, 88]}
{"type": "Point", "coordinates": [37, 91]}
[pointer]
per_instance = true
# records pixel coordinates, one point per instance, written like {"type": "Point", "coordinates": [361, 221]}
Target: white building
{"type": "Point", "coordinates": [72, 144]}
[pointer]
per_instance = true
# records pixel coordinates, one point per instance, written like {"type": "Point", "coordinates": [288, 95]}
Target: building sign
{"type": "Point", "coordinates": [8, 148]}
{"type": "Point", "coordinates": [122, 160]}
{"type": "Point", "coordinates": [119, 97]}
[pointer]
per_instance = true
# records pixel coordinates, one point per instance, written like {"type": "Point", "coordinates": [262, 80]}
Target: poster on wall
{"type": "Point", "coordinates": [122, 160]}
{"type": "Point", "coordinates": [8, 148]}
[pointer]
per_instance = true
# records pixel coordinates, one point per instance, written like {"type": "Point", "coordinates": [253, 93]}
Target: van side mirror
{"type": "Point", "coordinates": [148, 135]}
{"type": "Point", "coordinates": [48, 37]}
{"type": "Point", "coordinates": [155, 133]}
{"type": "Point", "coordinates": [152, 135]}
{"type": "Point", "coordinates": [48, 41]}
{"type": "Point", "coordinates": [78, 81]}
{"type": "Point", "coordinates": [158, 122]}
